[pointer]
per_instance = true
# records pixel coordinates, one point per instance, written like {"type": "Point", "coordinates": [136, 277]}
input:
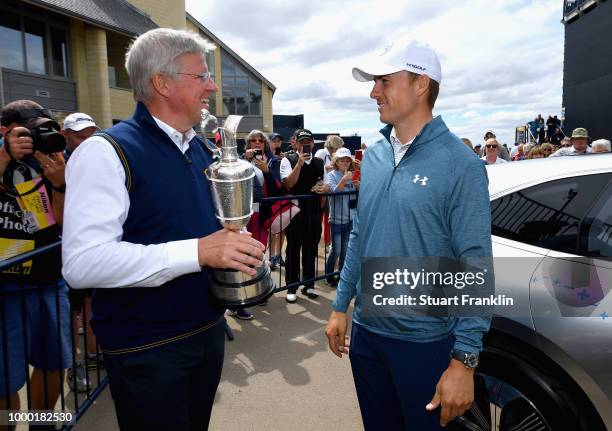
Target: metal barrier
{"type": "Point", "coordinates": [338, 204]}
{"type": "Point", "coordinates": [571, 5]}
{"type": "Point", "coordinates": [52, 399]}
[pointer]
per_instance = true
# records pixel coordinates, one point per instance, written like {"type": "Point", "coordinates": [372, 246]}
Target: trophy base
{"type": "Point", "coordinates": [233, 289]}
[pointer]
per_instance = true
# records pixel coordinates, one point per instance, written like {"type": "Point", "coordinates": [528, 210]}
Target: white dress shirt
{"type": "Point", "coordinates": [498, 161]}
{"type": "Point", "coordinates": [95, 208]}
{"type": "Point", "coordinates": [570, 151]}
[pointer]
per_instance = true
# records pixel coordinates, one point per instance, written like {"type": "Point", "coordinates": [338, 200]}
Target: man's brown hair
{"type": "Point", "coordinates": [434, 89]}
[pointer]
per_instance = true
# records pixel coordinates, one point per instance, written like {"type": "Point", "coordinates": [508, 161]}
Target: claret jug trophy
{"type": "Point", "coordinates": [231, 180]}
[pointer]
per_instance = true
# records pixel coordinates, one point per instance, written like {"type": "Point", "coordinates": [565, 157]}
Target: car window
{"type": "Point", "coordinates": [596, 232]}
{"type": "Point", "coordinates": [547, 215]}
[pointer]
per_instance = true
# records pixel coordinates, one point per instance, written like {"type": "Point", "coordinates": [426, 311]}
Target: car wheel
{"type": "Point", "coordinates": [510, 394]}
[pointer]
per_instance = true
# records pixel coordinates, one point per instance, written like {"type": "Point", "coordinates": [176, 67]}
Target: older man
{"type": "Point", "coordinates": [422, 194]}
{"type": "Point", "coordinates": [140, 227]}
{"type": "Point", "coordinates": [601, 146]}
{"type": "Point", "coordinates": [580, 144]}
{"type": "Point", "coordinates": [492, 150]}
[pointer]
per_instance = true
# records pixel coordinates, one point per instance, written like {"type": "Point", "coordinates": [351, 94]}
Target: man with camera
{"type": "Point", "coordinates": [31, 205]}
{"type": "Point", "coordinates": [302, 174]}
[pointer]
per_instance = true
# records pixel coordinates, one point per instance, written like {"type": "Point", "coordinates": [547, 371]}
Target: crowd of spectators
{"type": "Point", "coordinates": [579, 143]}
{"type": "Point", "coordinates": [540, 131]}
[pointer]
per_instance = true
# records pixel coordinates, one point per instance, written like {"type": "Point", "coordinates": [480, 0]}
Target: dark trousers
{"type": "Point", "coordinates": [303, 233]}
{"type": "Point", "coordinates": [170, 387]}
{"type": "Point", "coordinates": [396, 379]}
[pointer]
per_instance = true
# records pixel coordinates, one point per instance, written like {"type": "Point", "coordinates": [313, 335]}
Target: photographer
{"type": "Point", "coordinates": [31, 205]}
{"type": "Point", "coordinates": [302, 174]}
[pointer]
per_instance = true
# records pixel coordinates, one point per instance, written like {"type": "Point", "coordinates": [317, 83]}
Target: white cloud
{"type": "Point", "coordinates": [501, 60]}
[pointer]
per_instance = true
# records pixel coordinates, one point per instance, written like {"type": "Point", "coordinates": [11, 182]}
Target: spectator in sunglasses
{"type": "Point", "coordinates": [492, 153]}
{"type": "Point", "coordinates": [546, 149]}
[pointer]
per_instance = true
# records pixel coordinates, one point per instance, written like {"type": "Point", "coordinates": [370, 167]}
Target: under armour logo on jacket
{"type": "Point", "coordinates": [422, 180]}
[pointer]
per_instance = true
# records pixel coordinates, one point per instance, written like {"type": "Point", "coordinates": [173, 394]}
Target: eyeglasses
{"type": "Point", "coordinates": [566, 145]}
{"type": "Point", "coordinates": [256, 140]}
{"type": "Point", "coordinates": [491, 146]}
{"type": "Point", "coordinates": [205, 77]}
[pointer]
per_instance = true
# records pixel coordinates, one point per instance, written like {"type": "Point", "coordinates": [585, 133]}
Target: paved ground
{"type": "Point", "coordinates": [278, 375]}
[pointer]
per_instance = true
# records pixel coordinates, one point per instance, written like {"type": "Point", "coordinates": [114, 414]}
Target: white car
{"type": "Point", "coordinates": [547, 361]}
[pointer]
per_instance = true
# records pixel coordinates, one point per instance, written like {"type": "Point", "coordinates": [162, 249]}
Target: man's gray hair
{"type": "Point", "coordinates": [157, 51]}
{"type": "Point", "coordinates": [601, 143]}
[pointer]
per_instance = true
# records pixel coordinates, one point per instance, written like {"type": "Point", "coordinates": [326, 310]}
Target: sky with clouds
{"type": "Point", "coordinates": [502, 60]}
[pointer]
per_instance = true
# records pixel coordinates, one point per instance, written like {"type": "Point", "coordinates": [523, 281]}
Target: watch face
{"type": "Point", "coordinates": [471, 360]}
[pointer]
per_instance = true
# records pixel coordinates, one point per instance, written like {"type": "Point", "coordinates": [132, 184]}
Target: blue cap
{"type": "Point", "coordinates": [276, 136]}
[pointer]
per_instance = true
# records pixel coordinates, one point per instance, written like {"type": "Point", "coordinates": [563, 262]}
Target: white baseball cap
{"type": "Point", "coordinates": [78, 121]}
{"type": "Point", "coordinates": [343, 152]}
{"type": "Point", "coordinates": [416, 57]}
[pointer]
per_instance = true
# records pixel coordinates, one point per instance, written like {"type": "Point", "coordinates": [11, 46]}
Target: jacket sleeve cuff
{"type": "Point", "coordinates": [342, 301]}
{"type": "Point", "coordinates": [467, 345]}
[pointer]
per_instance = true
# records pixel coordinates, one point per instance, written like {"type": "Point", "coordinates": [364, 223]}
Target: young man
{"type": "Point", "coordinates": [421, 191]}
{"type": "Point", "coordinates": [140, 226]}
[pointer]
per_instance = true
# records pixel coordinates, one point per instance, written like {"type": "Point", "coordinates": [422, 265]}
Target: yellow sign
{"type": "Point", "coordinates": [13, 247]}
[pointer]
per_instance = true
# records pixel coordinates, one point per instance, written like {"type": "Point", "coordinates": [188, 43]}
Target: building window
{"type": "Point", "coordinates": [210, 62]}
{"type": "Point", "coordinates": [11, 42]}
{"type": "Point", "coordinates": [116, 47]}
{"type": "Point", "coordinates": [241, 90]}
{"type": "Point", "coordinates": [32, 45]}
{"type": "Point", "coordinates": [34, 33]}
{"type": "Point", "coordinates": [59, 52]}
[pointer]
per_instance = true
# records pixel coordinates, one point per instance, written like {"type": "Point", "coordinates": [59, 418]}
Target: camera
{"type": "Point", "coordinates": [46, 139]}
{"type": "Point", "coordinates": [259, 154]}
{"type": "Point", "coordinates": [306, 149]}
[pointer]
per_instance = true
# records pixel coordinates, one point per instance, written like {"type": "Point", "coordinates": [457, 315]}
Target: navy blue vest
{"type": "Point", "coordinates": [170, 200]}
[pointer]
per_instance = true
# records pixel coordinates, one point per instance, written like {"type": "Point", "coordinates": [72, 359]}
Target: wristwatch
{"type": "Point", "coordinates": [469, 360]}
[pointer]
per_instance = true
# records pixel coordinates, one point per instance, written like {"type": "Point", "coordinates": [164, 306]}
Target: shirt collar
{"type": "Point", "coordinates": [396, 141]}
{"type": "Point", "coordinates": [180, 139]}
